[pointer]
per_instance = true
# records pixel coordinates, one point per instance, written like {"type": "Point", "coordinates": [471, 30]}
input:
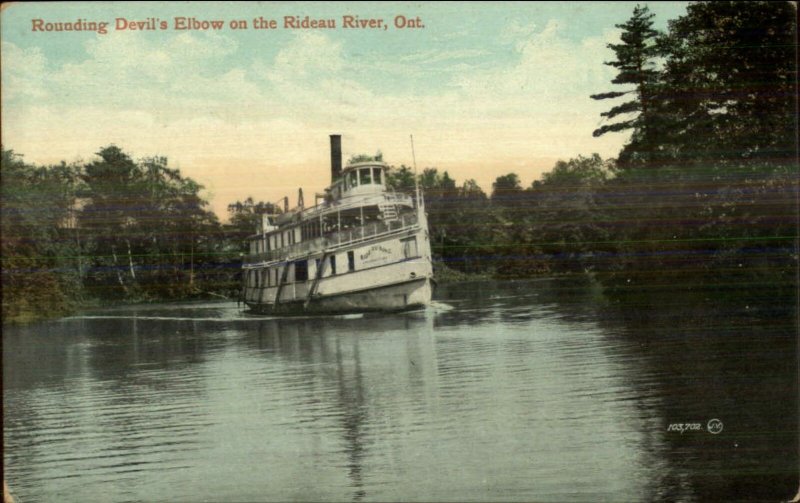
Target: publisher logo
{"type": "Point", "coordinates": [714, 426]}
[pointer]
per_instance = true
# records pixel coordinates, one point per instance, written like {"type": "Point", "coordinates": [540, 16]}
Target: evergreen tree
{"type": "Point", "coordinates": [636, 64]}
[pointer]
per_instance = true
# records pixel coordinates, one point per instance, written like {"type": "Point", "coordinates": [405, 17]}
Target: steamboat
{"type": "Point", "coordinates": [360, 247]}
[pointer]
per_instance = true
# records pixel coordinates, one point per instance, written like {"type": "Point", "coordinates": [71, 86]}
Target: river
{"type": "Point", "coordinates": [547, 390]}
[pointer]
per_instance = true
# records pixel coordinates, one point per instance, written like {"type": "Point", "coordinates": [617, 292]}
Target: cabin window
{"type": "Point", "coordinates": [364, 174]}
{"type": "Point", "coordinates": [301, 270]}
{"type": "Point", "coordinates": [351, 261]}
{"type": "Point", "coordinates": [409, 247]}
{"type": "Point", "coordinates": [333, 264]}
{"type": "Point", "coordinates": [264, 278]}
{"type": "Point", "coordinates": [376, 176]}
{"type": "Point", "coordinates": [352, 179]}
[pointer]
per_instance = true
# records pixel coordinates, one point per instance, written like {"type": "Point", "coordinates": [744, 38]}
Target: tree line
{"type": "Point", "coordinates": [705, 186]}
{"type": "Point", "coordinates": [113, 229]}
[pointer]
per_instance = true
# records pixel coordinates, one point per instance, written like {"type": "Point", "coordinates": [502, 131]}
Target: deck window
{"type": "Point", "coordinates": [376, 175]}
{"type": "Point", "coordinates": [352, 179]}
{"type": "Point", "coordinates": [333, 264]}
{"type": "Point", "coordinates": [409, 247]}
{"type": "Point", "coordinates": [351, 261]}
{"type": "Point", "coordinates": [301, 270]}
{"type": "Point", "coordinates": [364, 175]}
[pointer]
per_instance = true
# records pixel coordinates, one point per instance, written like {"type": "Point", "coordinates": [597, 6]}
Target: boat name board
{"type": "Point", "coordinates": [379, 254]}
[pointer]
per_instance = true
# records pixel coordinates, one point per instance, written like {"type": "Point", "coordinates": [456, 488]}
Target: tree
{"type": "Point", "coordinates": [400, 179]}
{"type": "Point", "coordinates": [730, 79]}
{"type": "Point", "coordinates": [506, 186]}
{"type": "Point", "coordinates": [366, 158]}
{"type": "Point", "coordinates": [108, 217]}
{"type": "Point", "coordinates": [567, 220]}
{"type": "Point", "coordinates": [148, 228]}
{"type": "Point", "coordinates": [635, 60]}
{"type": "Point", "coordinates": [40, 257]}
{"type": "Point", "coordinates": [245, 218]}
{"type": "Point", "coordinates": [575, 174]}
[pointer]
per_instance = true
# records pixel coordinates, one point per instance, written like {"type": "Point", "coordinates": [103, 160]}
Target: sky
{"type": "Point", "coordinates": [485, 89]}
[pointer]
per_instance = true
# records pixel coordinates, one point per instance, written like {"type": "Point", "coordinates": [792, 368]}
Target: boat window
{"type": "Point", "coordinates": [376, 175]}
{"type": "Point", "coordinates": [352, 179]}
{"type": "Point", "coordinates": [301, 270]}
{"type": "Point", "coordinates": [333, 265]}
{"type": "Point", "coordinates": [351, 261]}
{"type": "Point", "coordinates": [364, 174]}
{"type": "Point", "coordinates": [409, 247]}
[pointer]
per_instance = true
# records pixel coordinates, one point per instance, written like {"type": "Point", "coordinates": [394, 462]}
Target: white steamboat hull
{"type": "Point", "coordinates": [376, 275]}
{"type": "Point", "coordinates": [412, 294]}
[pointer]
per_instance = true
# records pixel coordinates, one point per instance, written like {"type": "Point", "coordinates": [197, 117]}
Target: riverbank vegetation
{"type": "Point", "coordinates": [704, 190]}
{"type": "Point", "coordinates": [706, 187]}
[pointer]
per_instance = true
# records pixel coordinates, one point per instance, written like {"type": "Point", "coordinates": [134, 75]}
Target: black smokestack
{"type": "Point", "coordinates": [336, 156]}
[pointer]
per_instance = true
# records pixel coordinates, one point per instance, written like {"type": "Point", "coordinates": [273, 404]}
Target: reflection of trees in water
{"type": "Point", "coordinates": [479, 302]}
{"type": "Point", "coordinates": [112, 388]}
{"type": "Point", "coordinates": [716, 352]}
{"type": "Point", "coordinates": [334, 349]}
{"type": "Point", "coordinates": [694, 349]}
{"type": "Point", "coordinates": [42, 354]}
{"type": "Point", "coordinates": [36, 358]}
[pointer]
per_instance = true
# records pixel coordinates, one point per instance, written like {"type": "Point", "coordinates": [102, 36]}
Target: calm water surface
{"type": "Point", "coordinates": [526, 391]}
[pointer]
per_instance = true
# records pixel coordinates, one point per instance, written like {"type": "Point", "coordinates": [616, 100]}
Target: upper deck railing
{"type": "Point", "coordinates": [389, 196]}
{"type": "Point", "coordinates": [335, 239]}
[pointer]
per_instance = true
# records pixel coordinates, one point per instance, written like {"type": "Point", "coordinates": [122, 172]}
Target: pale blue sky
{"type": "Point", "coordinates": [486, 88]}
